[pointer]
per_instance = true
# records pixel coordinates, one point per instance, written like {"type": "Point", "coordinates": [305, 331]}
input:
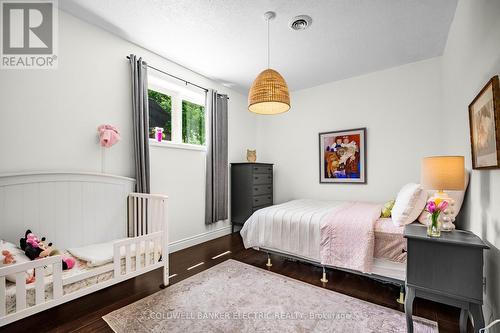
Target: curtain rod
{"type": "Point", "coordinates": [175, 77]}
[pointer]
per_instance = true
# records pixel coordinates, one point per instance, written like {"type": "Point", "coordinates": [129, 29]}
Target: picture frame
{"type": "Point", "coordinates": [484, 125]}
{"type": "Point", "coordinates": [342, 156]}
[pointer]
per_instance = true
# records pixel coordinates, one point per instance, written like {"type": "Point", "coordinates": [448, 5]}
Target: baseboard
{"type": "Point", "coordinates": [197, 239]}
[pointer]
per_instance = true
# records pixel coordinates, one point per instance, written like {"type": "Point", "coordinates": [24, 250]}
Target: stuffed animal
{"type": "Point", "coordinates": [34, 249]}
{"type": "Point", "coordinates": [8, 258]}
{"type": "Point", "coordinates": [387, 209]}
{"type": "Point", "coordinates": [47, 249]}
{"type": "Point", "coordinates": [68, 263]}
{"type": "Point", "coordinates": [29, 244]}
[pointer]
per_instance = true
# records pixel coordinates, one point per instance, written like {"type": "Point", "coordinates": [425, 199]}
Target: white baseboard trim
{"type": "Point", "coordinates": [197, 239]}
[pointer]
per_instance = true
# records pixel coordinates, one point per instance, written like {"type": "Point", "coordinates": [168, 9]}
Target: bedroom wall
{"type": "Point", "coordinates": [471, 58]}
{"type": "Point", "coordinates": [399, 107]}
{"type": "Point", "coordinates": [49, 119]}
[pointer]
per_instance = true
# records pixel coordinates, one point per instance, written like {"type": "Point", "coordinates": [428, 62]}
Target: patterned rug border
{"type": "Point", "coordinates": [110, 321]}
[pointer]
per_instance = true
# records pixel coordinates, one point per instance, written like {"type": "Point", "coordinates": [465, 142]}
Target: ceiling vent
{"type": "Point", "coordinates": [300, 22]}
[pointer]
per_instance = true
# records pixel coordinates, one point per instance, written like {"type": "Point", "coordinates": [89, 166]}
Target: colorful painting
{"type": "Point", "coordinates": [485, 127]}
{"type": "Point", "coordinates": [342, 156]}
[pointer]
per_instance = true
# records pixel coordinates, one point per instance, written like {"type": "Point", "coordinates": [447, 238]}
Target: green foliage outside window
{"type": "Point", "coordinates": [193, 123]}
{"type": "Point", "coordinates": [160, 114]}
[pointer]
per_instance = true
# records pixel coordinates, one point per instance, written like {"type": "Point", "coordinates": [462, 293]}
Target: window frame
{"type": "Point", "coordinates": [177, 97]}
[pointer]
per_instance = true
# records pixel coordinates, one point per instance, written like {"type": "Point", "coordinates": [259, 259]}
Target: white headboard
{"type": "Point", "coordinates": [69, 209]}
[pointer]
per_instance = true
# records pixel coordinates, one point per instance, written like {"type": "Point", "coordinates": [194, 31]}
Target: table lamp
{"type": "Point", "coordinates": [444, 173]}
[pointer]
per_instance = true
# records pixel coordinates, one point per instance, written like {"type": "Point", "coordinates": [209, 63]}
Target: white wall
{"type": "Point", "coordinates": [181, 174]}
{"type": "Point", "coordinates": [471, 58]}
{"type": "Point", "coordinates": [399, 107]}
{"type": "Point", "coordinates": [48, 121]}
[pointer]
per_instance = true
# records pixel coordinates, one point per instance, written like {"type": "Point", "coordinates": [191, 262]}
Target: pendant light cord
{"type": "Point", "coordinates": [268, 46]}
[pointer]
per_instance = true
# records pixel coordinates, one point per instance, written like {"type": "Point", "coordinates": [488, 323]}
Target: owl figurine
{"type": "Point", "coordinates": [251, 155]}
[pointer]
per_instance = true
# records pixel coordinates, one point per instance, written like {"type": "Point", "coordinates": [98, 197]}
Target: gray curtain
{"type": "Point", "coordinates": [140, 110]}
{"type": "Point", "coordinates": [217, 163]}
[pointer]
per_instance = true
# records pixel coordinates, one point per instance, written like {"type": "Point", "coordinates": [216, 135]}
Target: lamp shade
{"type": "Point", "coordinates": [269, 94]}
{"type": "Point", "coordinates": [443, 173]}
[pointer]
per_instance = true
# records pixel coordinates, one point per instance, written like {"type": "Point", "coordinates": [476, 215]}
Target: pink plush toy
{"type": "Point", "coordinates": [8, 258]}
{"type": "Point", "coordinates": [70, 263]}
{"type": "Point", "coordinates": [108, 135]}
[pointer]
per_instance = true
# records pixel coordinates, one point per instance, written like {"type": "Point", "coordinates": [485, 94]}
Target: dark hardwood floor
{"type": "Point", "coordinates": [84, 314]}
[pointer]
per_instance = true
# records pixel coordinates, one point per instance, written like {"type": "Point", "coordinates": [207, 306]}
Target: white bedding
{"type": "Point", "coordinates": [292, 227]}
{"type": "Point", "coordinates": [102, 253]}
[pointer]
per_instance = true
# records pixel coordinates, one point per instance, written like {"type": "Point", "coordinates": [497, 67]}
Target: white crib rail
{"type": "Point", "coordinates": [19, 270]}
{"type": "Point", "coordinates": [143, 251]}
{"type": "Point", "coordinates": [147, 215]}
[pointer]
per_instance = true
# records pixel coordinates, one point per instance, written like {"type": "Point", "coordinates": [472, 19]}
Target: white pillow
{"type": "Point", "coordinates": [458, 196]}
{"type": "Point", "coordinates": [409, 204]}
{"type": "Point", "coordinates": [94, 254]}
{"type": "Point", "coordinates": [19, 258]}
{"type": "Point", "coordinates": [102, 253]}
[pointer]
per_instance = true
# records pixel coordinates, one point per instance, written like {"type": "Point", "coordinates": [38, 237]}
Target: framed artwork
{"type": "Point", "coordinates": [342, 157]}
{"type": "Point", "coordinates": [484, 124]}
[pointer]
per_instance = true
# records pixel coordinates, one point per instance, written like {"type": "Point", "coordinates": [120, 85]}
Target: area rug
{"type": "Point", "coordinates": [236, 297]}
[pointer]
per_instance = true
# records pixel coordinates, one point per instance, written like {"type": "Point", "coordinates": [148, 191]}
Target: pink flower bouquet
{"type": "Point", "coordinates": [435, 208]}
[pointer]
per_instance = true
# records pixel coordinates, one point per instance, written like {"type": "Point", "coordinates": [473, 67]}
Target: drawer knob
{"type": "Point", "coordinates": [404, 251]}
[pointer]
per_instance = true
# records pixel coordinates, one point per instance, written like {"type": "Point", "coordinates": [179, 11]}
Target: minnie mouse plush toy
{"type": "Point", "coordinates": [34, 249]}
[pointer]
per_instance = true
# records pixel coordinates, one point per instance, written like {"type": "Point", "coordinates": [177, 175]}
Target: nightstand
{"type": "Point", "coordinates": [447, 270]}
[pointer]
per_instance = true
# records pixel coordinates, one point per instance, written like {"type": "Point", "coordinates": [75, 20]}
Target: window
{"type": "Point", "coordinates": [179, 110]}
{"type": "Point", "coordinates": [193, 123]}
{"type": "Point", "coordinates": [160, 114]}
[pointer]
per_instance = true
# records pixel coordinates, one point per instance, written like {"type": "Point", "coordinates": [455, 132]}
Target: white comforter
{"type": "Point", "coordinates": [292, 227]}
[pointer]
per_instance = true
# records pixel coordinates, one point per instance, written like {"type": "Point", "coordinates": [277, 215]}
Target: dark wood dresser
{"type": "Point", "coordinates": [447, 270]}
{"type": "Point", "coordinates": [251, 189]}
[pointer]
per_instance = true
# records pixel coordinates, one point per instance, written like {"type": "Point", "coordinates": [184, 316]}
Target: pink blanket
{"type": "Point", "coordinates": [347, 236]}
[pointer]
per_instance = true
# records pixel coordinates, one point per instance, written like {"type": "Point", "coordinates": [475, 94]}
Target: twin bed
{"type": "Point", "coordinates": [293, 229]}
{"type": "Point", "coordinates": [112, 233]}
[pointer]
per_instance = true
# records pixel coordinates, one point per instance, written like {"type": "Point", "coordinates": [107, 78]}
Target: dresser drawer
{"type": "Point", "coordinates": [260, 178]}
{"type": "Point", "coordinates": [262, 169]}
{"type": "Point", "coordinates": [262, 189]}
{"type": "Point", "coordinates": [262, 200]}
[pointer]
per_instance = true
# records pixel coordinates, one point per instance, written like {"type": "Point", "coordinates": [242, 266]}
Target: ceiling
{"type": "Point", "coordinates": [225, 40]}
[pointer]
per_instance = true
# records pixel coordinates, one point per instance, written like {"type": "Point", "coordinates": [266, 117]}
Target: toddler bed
{"type": "Point", "coordinates": [74, 211]}
{"type": "Point", "coordinates": [82, 275]}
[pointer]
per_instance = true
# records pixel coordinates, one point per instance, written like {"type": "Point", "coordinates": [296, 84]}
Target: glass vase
{"type": "Point", "coordinates": [434, 226]}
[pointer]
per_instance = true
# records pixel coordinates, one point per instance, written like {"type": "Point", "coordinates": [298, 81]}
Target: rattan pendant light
{"type": "Point", "coordinates": [269, 92]}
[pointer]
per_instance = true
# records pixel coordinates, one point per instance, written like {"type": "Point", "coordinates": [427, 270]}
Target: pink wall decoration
{"type": "Point", "coordinates": [108, 135]}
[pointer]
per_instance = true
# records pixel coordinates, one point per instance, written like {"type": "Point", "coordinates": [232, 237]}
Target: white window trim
{"type": "Point", "coordinates": [176, 145]}
{"type": "Point", "coordinates": [176, 135]}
